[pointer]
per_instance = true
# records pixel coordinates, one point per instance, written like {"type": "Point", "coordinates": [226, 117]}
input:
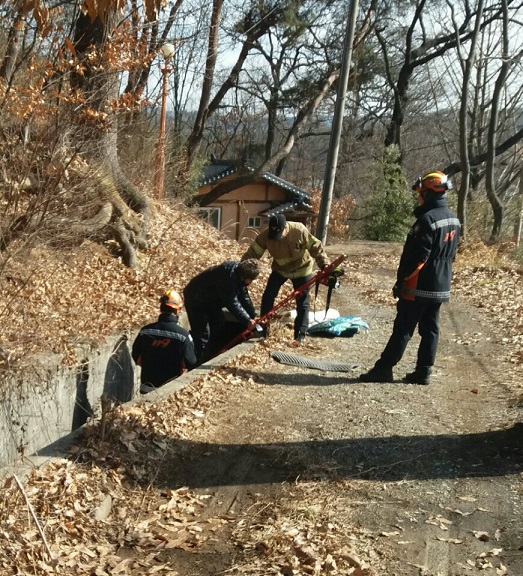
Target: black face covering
{"type": "Point", "coordinates": [429, 196]}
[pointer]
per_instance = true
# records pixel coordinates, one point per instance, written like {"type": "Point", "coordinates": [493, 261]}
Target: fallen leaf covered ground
{"type": "Point", "coordinates": [101, 512]}
{"type": "Point", "coordinates": [73, 294]}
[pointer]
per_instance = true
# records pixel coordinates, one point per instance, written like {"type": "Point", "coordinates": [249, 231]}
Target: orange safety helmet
{"type": "Point", "coordinates": [436, 181]}
{"type": "Point", "coordinates": [172, 299]}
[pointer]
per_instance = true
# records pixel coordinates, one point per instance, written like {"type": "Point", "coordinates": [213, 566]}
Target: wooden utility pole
{"type": "Point", "coordinates": [337, 124]}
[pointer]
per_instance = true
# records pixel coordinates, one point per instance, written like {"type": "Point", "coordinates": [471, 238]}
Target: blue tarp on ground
{"type": "Point", "coordinates": [342, 326]}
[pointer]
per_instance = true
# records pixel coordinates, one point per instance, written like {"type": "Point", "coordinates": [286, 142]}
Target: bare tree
{"type": "Point", "coordinates": [518, 224]}
{"type": "Point", "coordinates": [467, 64]}
{"type": "Point", "coordinates": [296, 68]}
{"type": "Point", "coordinates": [422, 44]}
{"type": "Point", "coordinates": [14, 42]}
{"type": "Point", "coordinates": [148, 39]}
{"type": "Point", "coordinates": [98, 83]}
{"type": "Point", "coordinates": [481, 95]}
{"type": "Point", "coordinates": [256, 22]}
{"type": "Point", "coordinates": [492, 195]}
{"type": "Point", "coordinates": [123, 210]}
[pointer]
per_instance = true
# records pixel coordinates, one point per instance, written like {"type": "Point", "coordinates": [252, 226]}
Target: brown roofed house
{"type": "Point", "coordinates": [239, 201]}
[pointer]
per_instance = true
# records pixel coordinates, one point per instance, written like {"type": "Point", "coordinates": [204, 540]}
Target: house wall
{"type": "Point", "coordinates": [229, 218]}
{"type": "Point", "coordinates": [241, 204]}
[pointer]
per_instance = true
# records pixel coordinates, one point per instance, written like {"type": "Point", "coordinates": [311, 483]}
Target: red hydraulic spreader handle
{"type": "Point", "coordinates": [265, 319]}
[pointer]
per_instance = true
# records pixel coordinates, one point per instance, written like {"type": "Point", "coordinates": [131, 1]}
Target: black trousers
{"type": "Point", "coordinates": [424, 315]}
{"type": "Point", "coordinates": [206, 324]}
{"type": "Point", "coordinates": [275, 282]}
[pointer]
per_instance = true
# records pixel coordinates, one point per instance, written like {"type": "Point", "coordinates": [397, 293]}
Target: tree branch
{"type": "Point", "coordinates": [455, 167]}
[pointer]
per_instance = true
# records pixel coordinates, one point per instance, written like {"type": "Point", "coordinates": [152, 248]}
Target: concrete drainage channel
{"type": "Point", "coordinates": [41, 414]}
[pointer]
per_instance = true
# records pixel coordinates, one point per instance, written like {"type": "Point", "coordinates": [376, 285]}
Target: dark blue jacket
{"type": "Point", "coordinates": [425, 269]}
{"type": "Point", "coordinates": [221, 287]}
{"type": "Point", "coordinates": [163, 349]}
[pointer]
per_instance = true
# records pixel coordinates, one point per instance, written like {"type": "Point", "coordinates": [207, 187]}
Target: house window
{"type": "Point", "coordinates": [211, 215]}
{"type": "Point", "coordinates": [254, 222]}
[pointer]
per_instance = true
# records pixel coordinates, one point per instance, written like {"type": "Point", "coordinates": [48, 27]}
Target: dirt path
{"type": "Point", "coordinates": [312, 472]}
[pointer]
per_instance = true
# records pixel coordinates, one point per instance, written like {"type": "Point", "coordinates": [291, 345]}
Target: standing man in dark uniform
{"type": "Point", "coordinates": [218, 287]}
{"type": "Point", "coordinates": [163, 349]}
{"type": "Point", "coordinates": [423, 281]}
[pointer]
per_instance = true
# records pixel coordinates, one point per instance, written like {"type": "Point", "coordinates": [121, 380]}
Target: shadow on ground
{"type": "Point", "coordinates": [488, 454]}
{"type": "Point", "coordinates": [393, 458]}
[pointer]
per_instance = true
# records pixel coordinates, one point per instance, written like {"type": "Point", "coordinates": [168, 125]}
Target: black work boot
{"type": "Point", "coordinates": [377, 375]}
{"type": "Point", "coordinates": [416, 377]}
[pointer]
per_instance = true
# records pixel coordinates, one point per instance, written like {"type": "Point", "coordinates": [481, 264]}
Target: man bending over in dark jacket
{"type": "Point", "coordinates": [218, 287]}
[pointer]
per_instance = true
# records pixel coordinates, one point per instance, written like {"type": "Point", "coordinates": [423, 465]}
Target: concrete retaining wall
{"type": "Point", "coordinates": [40, 406]}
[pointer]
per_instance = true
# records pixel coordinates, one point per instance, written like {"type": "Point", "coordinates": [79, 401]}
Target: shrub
{"type": "Point", "coordinates": [390, 204]}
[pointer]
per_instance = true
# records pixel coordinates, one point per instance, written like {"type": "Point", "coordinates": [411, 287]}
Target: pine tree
{"type": "Point", "coordinates": [390, 203]}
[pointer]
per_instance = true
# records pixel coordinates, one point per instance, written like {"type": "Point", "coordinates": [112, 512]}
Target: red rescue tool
{"type": "Point", "coordinates": [319, 278]}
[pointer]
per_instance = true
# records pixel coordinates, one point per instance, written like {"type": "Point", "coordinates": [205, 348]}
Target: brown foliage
{"type": "Point", "coordinates": [340, 214]}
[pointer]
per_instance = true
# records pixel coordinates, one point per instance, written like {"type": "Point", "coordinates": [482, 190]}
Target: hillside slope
{"type": "Point", "coordinates": [53, 297]}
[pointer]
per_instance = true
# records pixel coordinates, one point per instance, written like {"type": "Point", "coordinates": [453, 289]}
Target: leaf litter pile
{"type": "Point", "coordinates": [99, 512]}
{"type": "Point", "coordinates": [71, 297]}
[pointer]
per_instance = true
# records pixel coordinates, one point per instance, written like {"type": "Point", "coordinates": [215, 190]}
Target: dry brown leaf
{"type": "Point", "coordinates": [480, 535]}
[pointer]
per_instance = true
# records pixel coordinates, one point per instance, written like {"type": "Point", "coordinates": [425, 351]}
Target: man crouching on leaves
{"type": "Point", "coordinates": [163, 349]}
{"type": "Point", "coordinates": [423, 281]}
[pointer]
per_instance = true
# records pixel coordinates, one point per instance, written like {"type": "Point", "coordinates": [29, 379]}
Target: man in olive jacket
{"type": "Point", "coordinates": [423, 281]}
{"type": "Point", "coordinates": [293, 249]}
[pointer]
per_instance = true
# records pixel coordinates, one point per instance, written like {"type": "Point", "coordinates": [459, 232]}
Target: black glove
{"type": "Point", "coordinates": [332, 279]}
{"type": "Point", "coordinates": [396, 291]}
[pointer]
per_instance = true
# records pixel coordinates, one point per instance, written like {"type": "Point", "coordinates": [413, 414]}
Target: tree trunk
{"type": "Point", "coordinates": [400, 88]}
{"type": "Point", "coordinates": [301, 119]}
{"type": "Point", "coordinates": [220, 189]}
{"type": "Point", "coordinates": [427, 50]}
{"type": "Point", "coordinates": [99, 86]}
{"type": "Point", "coordinates": [518, 228]}
{"type": "Point", "coordinates": [14, 43]}
{"type": "Point", "coordinates": [194, 139]}
{"type": "Point", "coordinates": [495, 202]}
{"type": "Point", "coordinates": [137, 79]}
{"type": "Point", "coordinates": [467, 65]}
{"type": "Point", "coordinates": [208, 108]}
{"type": "Point", "coordinates": [455, 167]}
